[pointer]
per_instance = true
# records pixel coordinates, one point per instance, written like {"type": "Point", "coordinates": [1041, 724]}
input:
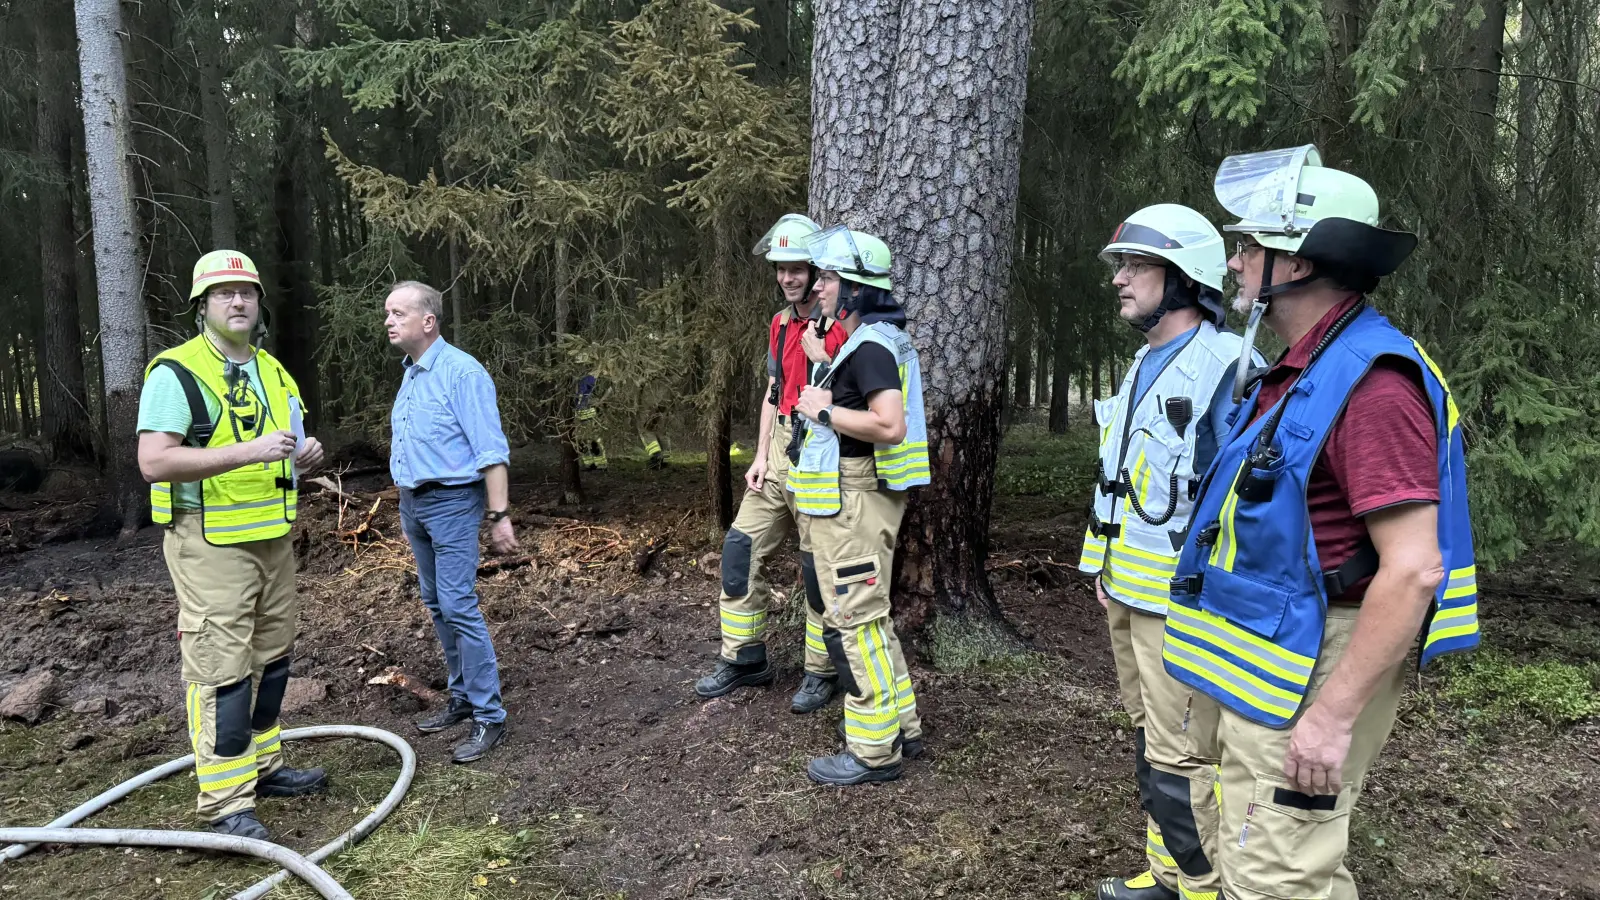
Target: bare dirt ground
{"type": "Point", "coordinates": [617, 782]}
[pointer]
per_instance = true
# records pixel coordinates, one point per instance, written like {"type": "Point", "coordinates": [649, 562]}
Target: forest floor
{"type": "Point", "coordinates": [616, 782]}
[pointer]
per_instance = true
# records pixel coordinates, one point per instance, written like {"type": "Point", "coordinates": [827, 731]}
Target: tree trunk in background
{"type": "Point", "coordinates": [1344, 19]}
{"type": "Point", "coordinates": [1041, 366]}
{"type": "Point", "coordinates": [116, 249]}
{"type": "Point", "coordinates": [218, 134]}
{"type": "Point", "coordinates": [63, 395]}
{"type": "Point", "coordinates": [571, 479]}
{"type": "Point", "coordinates": [1065, 363]}
{"type": "Point", "coordinates": [917, 128]}
{"type": "Point", "coordinates": [719, 430]}
{"type": "Point", "coordinates": [294, 303]}
{"type": "Point", "coordinates": [1022, 349]}
{"type": "Point", "coordinates": [1527, 107]}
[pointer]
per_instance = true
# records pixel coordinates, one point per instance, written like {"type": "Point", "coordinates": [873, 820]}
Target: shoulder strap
{"type": "Point", "coordinates": [784, 318]}
{"type": "Point", "coordinates": [201, 426]}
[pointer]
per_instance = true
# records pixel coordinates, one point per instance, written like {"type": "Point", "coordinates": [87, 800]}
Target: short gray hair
{"type": "Point", "coordinates": [428, 298]}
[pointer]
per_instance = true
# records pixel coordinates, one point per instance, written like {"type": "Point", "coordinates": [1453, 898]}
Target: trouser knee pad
{"type": "Point", "coordinates": [233, 719]}
{"type": "Point", "coordinates": [269, 698]}
{"type": "Point", "coordinates": [1171, 805]}
{"type": "Point", "coordinates": [808, 574]}
{"type": "Point", "coordinates": [834, 641]}
{"type": "Point", "coordinates": [736, 563]}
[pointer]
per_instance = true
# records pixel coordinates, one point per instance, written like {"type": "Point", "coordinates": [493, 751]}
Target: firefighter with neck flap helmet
{"type": "Point", "coordinates": [222, 442]}
{"type": "Point", "coordinates": [865, 447]}
{"type": "Point", "coordinates": [1331, 537]}
{"type": "Point", "coordinates": [798, 342]}
{"type": "Point", "coordinates": [1157, 437]}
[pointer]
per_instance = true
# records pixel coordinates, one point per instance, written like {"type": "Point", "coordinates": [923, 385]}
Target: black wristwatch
{"type": "Point", "coordinates": [495, 515]}
{"type": "Point", "coordinates": [825, 415]}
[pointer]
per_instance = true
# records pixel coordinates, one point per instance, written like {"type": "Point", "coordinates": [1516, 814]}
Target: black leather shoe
{"type": "Point", "coordinates": [845, 769]}
{"type": "Point", "coordinates": [484, 737]}
{"type": "Point", "coordinates": [287, 782]}
{"type": "Point", "coordinates": [458, 710]}
{"type": "Point", "coordinates": [908, 749]}
{"type": "Point", "coordinates": [728, 677]}
{"type": "Point", "coordinates": [1139, 887]}
{"type": "Point", "coordinates": [242, 824]}
{"type": "Point", "coordinates": [815, 693]}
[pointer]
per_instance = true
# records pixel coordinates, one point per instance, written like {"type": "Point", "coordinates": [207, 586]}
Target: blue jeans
{"type": "Point", "coordinates": [442, 526]}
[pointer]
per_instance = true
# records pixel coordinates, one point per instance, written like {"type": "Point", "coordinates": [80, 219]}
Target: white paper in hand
{"type": "Point", "coordinates": [297, 424]}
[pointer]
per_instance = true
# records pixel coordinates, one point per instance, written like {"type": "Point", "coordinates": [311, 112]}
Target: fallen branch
{"type": "Point", "coordinates": [510, 562]}
{"type": "Point", "coordinates": [394, 677]}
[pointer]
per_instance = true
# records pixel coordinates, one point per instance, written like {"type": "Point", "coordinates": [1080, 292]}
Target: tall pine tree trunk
{"type": "Point", "coordinates": [719, 430]}
{"type": "Point", "coordinates": [917, 129]}
{"type": "Point", "coordinates": [1041, 366]}
{"type": "Point", "coordinates": [1527, 106]}
{"type": "Point", "coordinates": [295, 304]}
{"type": "Point", "coordinates": [571, 479]}
{"type": "Point", "coordinates": [1061, 371]}
{"type": "Point", "coordinates": [214, 113]}
{"type": "Point", "coordinates": [116, 248]}
{"type": "Point", "coordinates": [1022, 349]}
{"type": "Point", "coordinates": [63, 396]}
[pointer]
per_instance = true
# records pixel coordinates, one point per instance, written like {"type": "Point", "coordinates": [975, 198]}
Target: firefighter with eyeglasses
{"type": "Point", "coordinates": [1157, 436]}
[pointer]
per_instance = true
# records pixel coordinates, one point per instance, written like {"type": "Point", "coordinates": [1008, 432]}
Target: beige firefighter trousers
{"type": "Point", "coordinates": [1179, 746]}
{"type": "Point", "coordinates": [236, 625]}
{"type": "Point", "coordinates": [1277, 842]}
{"type": "Point", "coordinates": [765, 519]}
{"type": "Point", "coordinates": [854, 552]}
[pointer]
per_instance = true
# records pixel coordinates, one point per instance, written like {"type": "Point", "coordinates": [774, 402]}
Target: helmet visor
{"type": "Point", "coordinates": [1262, 189]}
{"type": "Point", "coordinates": [836, 251]}
{"type": "Point", "coordinates": [788, 236]}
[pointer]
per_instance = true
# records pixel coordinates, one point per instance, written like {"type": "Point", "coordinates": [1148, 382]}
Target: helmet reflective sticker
{"type": "Point", "coordinates": [786, 240]}
{"type": "Point", "coordinates": [1263, 190]}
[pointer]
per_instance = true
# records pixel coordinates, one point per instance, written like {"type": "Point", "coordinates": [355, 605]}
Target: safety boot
{"type": "Point", "coordinates": [458, 710]}
{"type": "Point", "coordinates": [656, 462]}
{"type": "Point", "coordinates": [1140, 887]}
{"type": "Point", "coordinates": [728, 677]}
{"type": "Point", "coordinates": [287, 782]}
{"type": "Point", "coordinates": [484, 737]}
{"type": "Point", "coordinates": [815, 692]}
{"type": "Point", "coordinates": [844, 769]}
{"type": "Point", "coordinates": [908, 749]}
{"type": "Point", "coordinates": [242, 824]}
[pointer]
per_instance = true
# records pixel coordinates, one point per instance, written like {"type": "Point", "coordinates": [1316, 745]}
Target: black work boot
{"type": "Point", "coordinates": [728, 677]}
{"type": "Point", "coordinates": [908, 749]}
{"type": "Point", "coordinates": [484, 737]}
{"type": "Point", "coordinates": [815, 692]}
{"type": "Point", "coordinates": [458, 710]}
{"type": "Point", "coordinates": [657, 462]}
{"type": "Point", "coordinates": [1140, 887]}
{"type": "Point", "coordinates": [844, 769]}
{"type": "Point", "coordinates": [287, 782]}
{"type": "Point", "coordinates": [242, 824]}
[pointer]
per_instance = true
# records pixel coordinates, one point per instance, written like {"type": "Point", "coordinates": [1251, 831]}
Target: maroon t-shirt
{"type": "Point", "coordinates": [1383, 450]}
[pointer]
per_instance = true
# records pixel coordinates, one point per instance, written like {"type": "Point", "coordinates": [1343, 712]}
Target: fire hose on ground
{"type": "Point", "coordinates": [304, 867]}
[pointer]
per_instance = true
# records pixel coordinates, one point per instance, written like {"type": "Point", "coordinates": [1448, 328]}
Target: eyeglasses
{"type": "Point", "coordinates": [1242, 246]}
{"type": "Point", "coordinates": [1137, 267]}
{"type": "Point", "coordinates": [248, 295]}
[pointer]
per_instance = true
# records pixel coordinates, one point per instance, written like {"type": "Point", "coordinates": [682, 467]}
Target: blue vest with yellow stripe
{"type": "Point", "coordinates": [1245, 622]}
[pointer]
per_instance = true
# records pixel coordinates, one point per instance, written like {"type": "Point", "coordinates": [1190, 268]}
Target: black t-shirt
{"type": "Point", "coordinates": [867, 370]}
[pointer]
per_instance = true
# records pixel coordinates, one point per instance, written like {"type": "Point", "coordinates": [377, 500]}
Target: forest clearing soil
{"type": "Point", "coordinates": [1026, 790]}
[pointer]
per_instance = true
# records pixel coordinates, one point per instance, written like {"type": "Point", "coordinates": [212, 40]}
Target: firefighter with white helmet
{"type": "Point", "coordinates": [222, 443]}
{"type": "Point", "coordinates": [767, 513]}
{"type": "Point", "coordinates": [1157, 436]}
{"type": "Point", "coordinates": [865, 447]}
{"type": "Point", "coordinates": [1331, 536]}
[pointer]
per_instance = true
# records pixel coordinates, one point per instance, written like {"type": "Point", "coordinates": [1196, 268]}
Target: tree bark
{"type": "Point", "coordinates": [63, 395]}
{"type": "Point", "coordinates": [719, 431]}
{"type": "Point", "coordinates": [917, 127]}
{"type": "Point", "coordinates": [116, 249]}
{"type": "Point", "coordinates": [1527, 107]}
{"type": "Point", "coordinates": [1041, 366]}
{"type": "Point", "coordinates": [214, 113]}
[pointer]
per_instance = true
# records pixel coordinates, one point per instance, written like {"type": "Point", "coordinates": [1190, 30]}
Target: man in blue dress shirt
{"type": "Point", "coordinates": [448, 456]}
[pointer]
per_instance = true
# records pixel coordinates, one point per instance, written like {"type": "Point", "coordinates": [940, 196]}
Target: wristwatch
{"type": "Point", "coordinates": [825, 415]}
{"type": "Point", "coordinates": [495, 515]}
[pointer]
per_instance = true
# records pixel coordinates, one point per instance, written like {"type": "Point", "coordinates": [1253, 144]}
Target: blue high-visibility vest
{"type": "Point", "coordinates": [1250, 599]}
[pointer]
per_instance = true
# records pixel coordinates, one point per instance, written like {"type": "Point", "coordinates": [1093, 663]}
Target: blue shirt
{"type": "Point", "coordinates": [1216, 420]}
{"type": "Point", "coordinates": [445, 425]}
